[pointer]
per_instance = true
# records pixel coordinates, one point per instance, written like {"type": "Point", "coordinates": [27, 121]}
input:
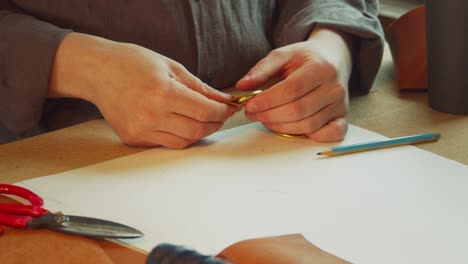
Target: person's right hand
{"type": "Point", "coordinates": [148, 99]}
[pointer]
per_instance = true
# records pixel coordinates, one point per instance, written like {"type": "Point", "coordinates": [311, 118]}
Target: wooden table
{"type": "Point", "coordinates": [384, 110]}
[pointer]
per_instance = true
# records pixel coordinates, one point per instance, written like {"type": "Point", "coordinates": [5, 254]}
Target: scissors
{"type": "Point", "coordinates": [240, 101]}
{"type": "Point", "coordinates": [33, 216]}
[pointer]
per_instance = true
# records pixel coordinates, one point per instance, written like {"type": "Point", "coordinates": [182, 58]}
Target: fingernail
{"type": "Point", "coordinates": [227, 96]}
{"type": "Point", "coordinates": [247, 77]}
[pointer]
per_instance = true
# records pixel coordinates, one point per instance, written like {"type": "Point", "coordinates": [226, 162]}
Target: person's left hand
{"type": "Point", "coordinates": [312, 96]}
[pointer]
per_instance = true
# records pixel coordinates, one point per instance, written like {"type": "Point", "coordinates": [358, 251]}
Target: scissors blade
{"type": "Point", "coordinates": [84, 226]}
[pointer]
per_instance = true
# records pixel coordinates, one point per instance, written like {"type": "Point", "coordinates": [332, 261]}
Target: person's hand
{"type": "Point", "coordinates": [148, 99]}
{"type": "Point", "coordinates": [311, 97]}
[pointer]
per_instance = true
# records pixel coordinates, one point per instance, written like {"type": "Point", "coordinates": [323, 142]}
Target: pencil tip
{"type": "Point", "coordinates": [319, 153]}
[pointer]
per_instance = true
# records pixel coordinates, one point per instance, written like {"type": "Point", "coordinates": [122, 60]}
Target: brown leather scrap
{"type": "Point", "coordinates": [46, 246]}
{"type": "Point", "coordinates": [278, 250]}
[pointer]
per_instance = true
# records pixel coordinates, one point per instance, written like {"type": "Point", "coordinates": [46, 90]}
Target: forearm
{"type": "Point", "coordinates": [339, 49]}
{"type": "Point", "coordinates": [77, 62]}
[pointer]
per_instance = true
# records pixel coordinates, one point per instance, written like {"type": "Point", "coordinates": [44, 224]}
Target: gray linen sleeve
{"type": "Point", "coordinates": [298, 18]}
{"type": "Point", "coordinates": [27, 51]}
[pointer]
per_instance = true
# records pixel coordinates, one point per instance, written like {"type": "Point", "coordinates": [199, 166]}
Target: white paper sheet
{"type": "Point", "coordinates": [396, 205]}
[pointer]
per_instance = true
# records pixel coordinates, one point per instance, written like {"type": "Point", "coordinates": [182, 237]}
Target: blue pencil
{"type": "Point", "coordinates": [340, 150]}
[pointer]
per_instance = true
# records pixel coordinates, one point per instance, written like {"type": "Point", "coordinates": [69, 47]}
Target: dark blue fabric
{"type": "Point", "coordinates": [173, 254]}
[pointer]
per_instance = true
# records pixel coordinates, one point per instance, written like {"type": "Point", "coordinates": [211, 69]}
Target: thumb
{"type": "Point", "coordinates": [265, 70]}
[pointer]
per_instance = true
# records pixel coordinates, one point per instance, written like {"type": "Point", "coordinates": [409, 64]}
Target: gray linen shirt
{"type": "Point", "coordinates": [217, 40]}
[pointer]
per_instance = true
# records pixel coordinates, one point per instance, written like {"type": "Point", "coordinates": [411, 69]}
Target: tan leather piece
{"type": "Point", "coordinates": [406, 38]}
{"type": "Point", "coordinates": [277, 250]}
{"type": "Point", "coordinates": [45, 246]}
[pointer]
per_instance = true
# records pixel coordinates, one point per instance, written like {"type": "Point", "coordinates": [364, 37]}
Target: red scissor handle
{"type": "Point", "coordinates": [14, 220]}
{"type": "Point", "coordinates": [33, 198]}
{"type": "Point", "coordinates": [22, 209]}
{"type": "Point", "coordinates": [18, 215]}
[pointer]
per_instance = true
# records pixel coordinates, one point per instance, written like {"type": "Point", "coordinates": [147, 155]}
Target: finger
{"type": "Point", "coordinates": [264, 70]}
{"type": "Point", "coordinates": [333, 131]}
{"type": "Point", "coordinates": [158, 138]}
{"type": "Point", "coordinates": [191, 81]}
{"type": "Point", "coordinates": [288, 90]}
{"type": "Point", "coordinates": [190, 103]}
{"type": "Point", "coordinates": [310, 124]}
{"type": "Point", "coordinates": [187, 128]}
{"type": "Point", "coordinates": [301, 108]}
